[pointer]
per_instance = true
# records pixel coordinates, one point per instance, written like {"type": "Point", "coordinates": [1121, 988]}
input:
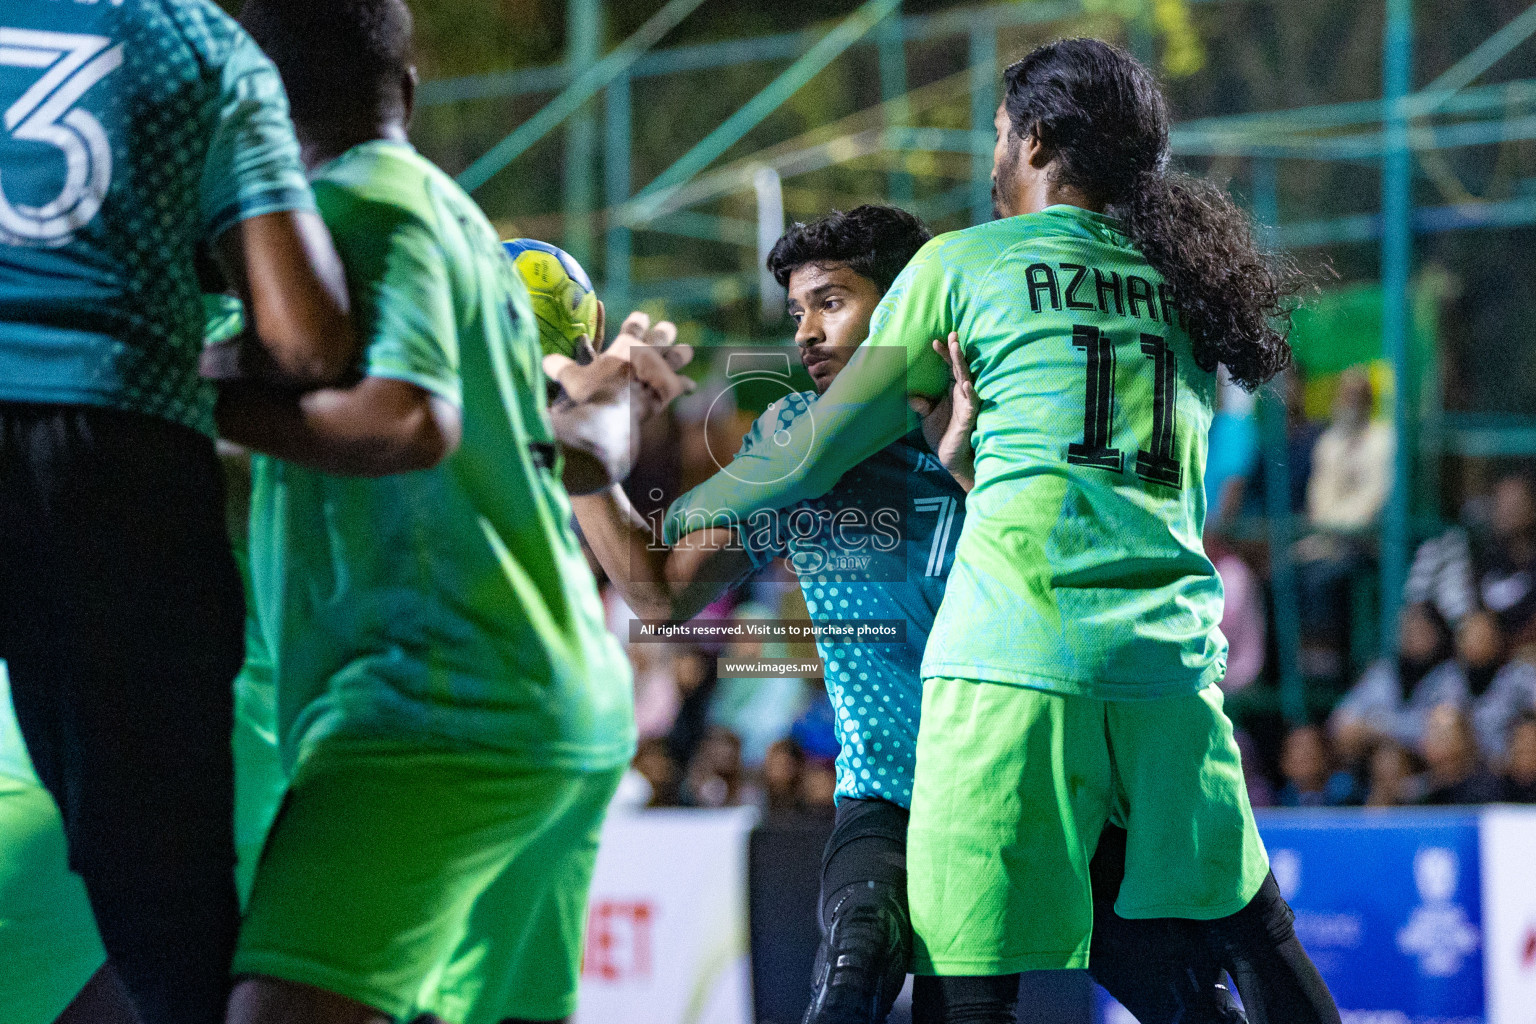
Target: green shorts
{"type": "Point", "coordinates": [48, 941]}
{"type": "Point", "coordinates": [423, 882]}
{"type": "Point", "coordinates": [1011, 790]}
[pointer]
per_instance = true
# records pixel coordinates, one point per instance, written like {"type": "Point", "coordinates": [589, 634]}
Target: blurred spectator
{"type": "Point", "coordinates": [783, 769]}
{"type": "Point", "coordinates": [1456, 772]}
{"type": "Point", "coordinates": [657, 697]}
{"type": "Point", "coordinates": [714, 776]}
{"type": "Point", "coordinates": [1506, 584]}
{"type": "Point", "coordinates": [760, 710]}
{"type": "Point", "coordinates": [1492, 568]}
{"type": "Point", "coordinates": [1242, 617]}
{"type": "Point", "coordinates": [818, 786]}
{"type": "Point", "coordinates": [1520, 763]}
{"type": "Point", "coordinates": [1351, 479]}
{"type": "Point", "coordinates": [1501, 690]}
{"type": "Point", "coordinates": [816, 729]}
{"type": "Point", "coordinates": [654, 763]}
{"type": "Point", "coordinates": [1301, 436]}
{"type": "Point", "coordinates": [1311, 779]}
{"type": "Point", "coordinates": [1392, 780]}
{"type": "Point", "coordinates": [1393, 697]}
{"type": "Point", "coordinates": [1352, 463]}
{"type": "Point", "coordinates": [1233, 453]}
{"type": "Point", "coordinates": [1260, 792]}
{"type": "Point", "coordinates": [695, 675]}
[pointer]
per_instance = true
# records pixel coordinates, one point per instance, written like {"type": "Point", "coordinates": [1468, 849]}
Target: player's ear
{"type": "Point", "coordinates": [408, 83]}
{"type": "Point", "coordinates": [1037, 153]}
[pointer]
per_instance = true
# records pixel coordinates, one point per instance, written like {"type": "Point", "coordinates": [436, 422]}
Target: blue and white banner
{"type": "Point", "coordinates": [1413, 916]}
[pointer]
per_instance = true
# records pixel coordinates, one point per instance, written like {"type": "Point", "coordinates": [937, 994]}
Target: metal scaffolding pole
{"type": "Point", "coordinates": [892, 48]}
{"type": "Point", "coordinates": [983, 108]}
{"type": "Point", "coordinates": [584, 40]}
{"type": "Point", "coordinates": [1277, 487]}
{"type": "Point", "coordinates": [1396, 265]}
{"type": "Point", "coordinates": [617, 128]}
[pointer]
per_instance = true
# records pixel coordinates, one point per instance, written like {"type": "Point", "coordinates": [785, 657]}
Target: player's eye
{"type": "Point", "coordinates": [831, 304]}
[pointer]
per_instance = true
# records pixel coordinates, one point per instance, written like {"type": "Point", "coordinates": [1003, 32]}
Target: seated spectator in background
{"type": "Point", "coordinates": [1456, 774]}
{"type": "Point", "coordinates": [1393, 696]}
{"type": "Point", "coordinates": [1242, 617]}
{"type": "Point", "coordinates": [783, 769]}
{"type": "Point", "coordinates": [1501, 690]}
{"type": "Point", "coordinates": [1492, 567]}
{"type": "Point", "coordinates": [695, 674]}
{"type": "Point", "coordinates": [1260, 792]}
{"type": "Point", "coordinates": [1392, 782]}
{"type": "Point", "coordinates": [1311, 780]}
{"type": "Point", "coordinates": [1520, 762]}
{"type": "Point", "coordinates": [1350, 482]}
{"type": "Point", "coordinates": [714, 776]}
{"type": "Point", "coordinates": [1506, 584]}
{"type": "Point", "coordinates": [1352, 463]}
{"type": "Point", "coordinates": [654, 762]}
{"type": "Point", "coordinates": [657, 697]}
{"type": "Point", "coordinates": [1301, 436]}
{"type": "Point", "coordinates": [761, 709]}
{"type": "Point", "coordinates": [1233, 453]}
{"type": "Point", "coordinates": [818, 786]}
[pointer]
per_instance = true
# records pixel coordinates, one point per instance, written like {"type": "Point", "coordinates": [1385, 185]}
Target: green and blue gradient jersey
{"type": "Point", "coordinates": [131, 131]}
{"type": "Point", "coordinates": [1080, 568]}
{"type": "Point", "coordinates": [879, 545]}
{"type": "Point", "coordinates": [451, 606]}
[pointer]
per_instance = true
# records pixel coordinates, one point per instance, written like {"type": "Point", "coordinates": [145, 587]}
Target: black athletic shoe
{"type": "Point", "coordinates": [861, 964]}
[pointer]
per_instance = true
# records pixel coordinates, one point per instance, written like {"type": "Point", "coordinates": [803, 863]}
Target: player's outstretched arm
{"type": "Point", "coordinates": [378, 426]}
{"type": "Point", "coordinates": [865, 409]}
{"type": "Point", "coordinates": [285, 270]}
{"type": "Point", "coordinates": [658, 582]}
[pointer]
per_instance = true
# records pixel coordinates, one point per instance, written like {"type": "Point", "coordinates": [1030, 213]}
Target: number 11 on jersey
{"type": "Point", "coordinates": [1156, 464]}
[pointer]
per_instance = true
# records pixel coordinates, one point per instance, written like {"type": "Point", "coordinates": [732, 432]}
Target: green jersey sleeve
{"type": "Point", "coordinates": [402, 295]}
{"type": "Point", "coordinates": [252, 165]}
{"type": "Point", "coordinates": [863, 411]}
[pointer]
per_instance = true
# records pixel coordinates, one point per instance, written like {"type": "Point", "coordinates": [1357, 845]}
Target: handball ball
{"type": "Point", "coordinates": [564, 303]}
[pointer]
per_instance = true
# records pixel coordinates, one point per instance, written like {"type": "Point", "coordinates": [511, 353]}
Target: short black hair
{"type": "Point", "coordinates": [873, 241]}
{"type": "Point", "coordinates": [340, 59]}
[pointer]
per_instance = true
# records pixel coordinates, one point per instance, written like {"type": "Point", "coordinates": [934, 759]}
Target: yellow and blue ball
{"type": "Point", "coordinates": [564, 303]}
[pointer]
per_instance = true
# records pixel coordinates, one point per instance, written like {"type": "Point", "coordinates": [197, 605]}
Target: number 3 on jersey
{"type": "Point", "coordinates": [1157, 464]}
{"type": "Point", "coordinates": [45, 113]}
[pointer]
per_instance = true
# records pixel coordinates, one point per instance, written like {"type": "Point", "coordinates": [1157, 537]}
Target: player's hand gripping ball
{"type": "Point", "coordinates": [564, 303]}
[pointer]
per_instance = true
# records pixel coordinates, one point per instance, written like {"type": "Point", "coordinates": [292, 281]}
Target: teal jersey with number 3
{"type": "Point", "coordinates": [1080, 568]}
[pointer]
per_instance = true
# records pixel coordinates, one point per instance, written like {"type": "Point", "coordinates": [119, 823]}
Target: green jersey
{"type": "Point", "coordinates": [1080, 567]}
{"type": "Point", "coordinates": [451, 604]}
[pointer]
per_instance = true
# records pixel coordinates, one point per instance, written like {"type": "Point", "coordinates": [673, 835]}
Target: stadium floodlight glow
{"type": "Point", "coordinates": [589, 84]}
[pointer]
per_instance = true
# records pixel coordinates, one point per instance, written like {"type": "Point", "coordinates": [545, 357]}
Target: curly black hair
{"type": "Point", "coordinates": [873, 241]}
{"type": "Point", "coordinates": [340, 60]}
{"type": "Point", "coordinates": [1100, 114]}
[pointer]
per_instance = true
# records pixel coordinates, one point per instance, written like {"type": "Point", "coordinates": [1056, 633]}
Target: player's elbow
{"type": "Point", "coordinates": [434, 431]}
{"type": "Point", "coordinates": [420, 437]}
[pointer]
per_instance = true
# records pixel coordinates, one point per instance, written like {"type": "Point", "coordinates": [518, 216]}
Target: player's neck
{"type": "Point", "coordinates": [1035, 192]}
{"type": "Point", "coordinates": [322, 145]}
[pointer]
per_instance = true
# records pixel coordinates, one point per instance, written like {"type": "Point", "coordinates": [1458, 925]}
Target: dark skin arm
{"type": "Point", "coordinates": [376, 427]}
{"type": "Point", "coordinates": [284, 268]}
{"type": "Point", "coordinates": [655, 581]}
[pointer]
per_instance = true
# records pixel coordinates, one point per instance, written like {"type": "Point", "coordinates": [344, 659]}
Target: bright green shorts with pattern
{"type": "Point", "coordinates": [1012, 789]}
{"type": "Point", "coordinates": [423, 882]}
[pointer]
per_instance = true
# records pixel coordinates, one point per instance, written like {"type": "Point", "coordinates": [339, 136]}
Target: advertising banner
{"type": "Point", "coordinates": [667, 922]}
